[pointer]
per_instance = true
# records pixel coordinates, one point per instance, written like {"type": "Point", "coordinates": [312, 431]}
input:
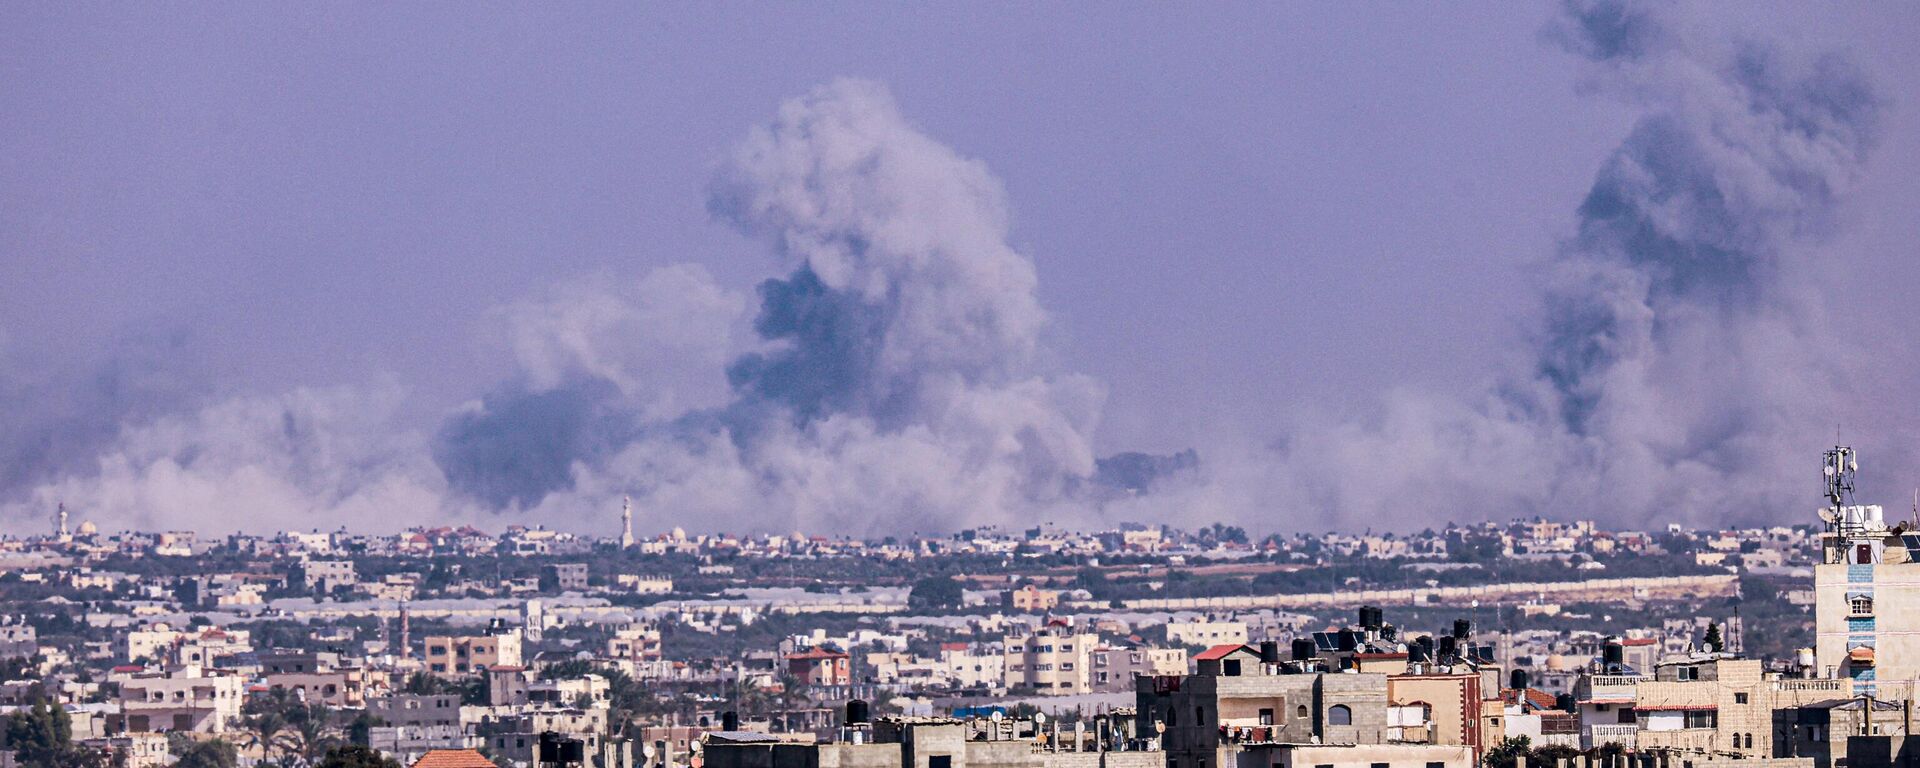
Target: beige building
{"type": "Point", "coordinates": [1439, 709]}
{"type": "Point", "coordinates": [1028, 598]}
{"type": "Point", "coordinates": [1206, 633]}
{"type": "Point", "coordinates": [1055, 659]}
{"type": "Point", "coordinates": [1235, 703]}
{"type": "Point", "coordinates": [1866, 574]}
{"type": "Point", "coordinates": [1704, 704]}
{"type": "Point", "coordinates": [942, 743]}
{"type": "Point", "coordinates": [186, 702]}
{"type": "Point", "coordinates": [473, 653]}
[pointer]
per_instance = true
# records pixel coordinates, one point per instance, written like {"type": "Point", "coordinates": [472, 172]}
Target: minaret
{"type": "Point", "coordinates": [61, 528]}
{"type": "Point", "coordinates": [626, 522]}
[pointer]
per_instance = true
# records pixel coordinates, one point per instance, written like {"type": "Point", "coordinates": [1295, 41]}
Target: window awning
{"type": "Point", "coordinates": [1862, 656]}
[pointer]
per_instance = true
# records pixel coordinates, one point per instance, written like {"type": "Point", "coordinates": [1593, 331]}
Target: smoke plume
{"type": "Point", "coordinates": [1679, 372]}
{"type": "Point", "coordinates": [893, 376]}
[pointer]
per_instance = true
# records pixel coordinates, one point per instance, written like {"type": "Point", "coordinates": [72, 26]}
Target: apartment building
{"type": "Point", "coordinates": [1240, 700]}
{"type": "Point", "coordinates": [450, 655]}
{"type": "Point", "coordinates": [1114, 668]}
{"type": "Point", "coordinates": [185, 701]}
{"type": "Point", "coordinates": [1054, 659]}
{"type": "Point", "coordinates": [1206, 633]}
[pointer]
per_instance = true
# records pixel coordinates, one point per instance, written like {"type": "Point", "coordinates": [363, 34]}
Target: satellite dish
{"type": "Point", "coordinates": [1039, 718]}
{"type": "Point", "coordinates": [646, 751]}
{"type": "Point", "coordinates": [1827, 514]}
{"type": "Point", "coordinates": [997, 716]}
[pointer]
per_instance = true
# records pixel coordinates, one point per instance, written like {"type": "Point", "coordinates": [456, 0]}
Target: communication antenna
{"type": "Point", "coordinates": [1841, 463]}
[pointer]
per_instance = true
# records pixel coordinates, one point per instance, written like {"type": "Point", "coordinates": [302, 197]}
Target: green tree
{"type": "Point", "coordinates": [1712, 641]}
{"type": "Point", "coordinates": [42, 737]}
{"type": "Point", "coordinates": [1511, 752]}
{"type": "Point", "coordinates": [936, 592]}
{"type": "Point", "coordinates": [356, 756]}
{"type": "Point", "coordinates": [209, 754]}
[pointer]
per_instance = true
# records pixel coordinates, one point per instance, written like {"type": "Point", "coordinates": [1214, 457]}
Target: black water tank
{"type": "Point", "coordinates": [1449, 648]}
{"type": "Point", "coordinates": [1613, 654]}
{"type": "Point", "coordinates": [1462, 628]}
{"type": "Point", "coordinates": [1564, 702]}
{"type": "Point", "coordinates": [1269, 652]}
{"type": "Point", "coordinates": [1387, 632]}
{"type": "Point", "coordinates": [1518, 680]}
{"type": "Point", "coordinates": [1302, 649]}
{"type": "Point", "coordinates": [1348, 640]}
{"type": "Point", "coordinates": [856, 711]}
{"type": "Point", "coordinates": [729, 720]}
{"type": "Point", "coordinates": [1417, 653]}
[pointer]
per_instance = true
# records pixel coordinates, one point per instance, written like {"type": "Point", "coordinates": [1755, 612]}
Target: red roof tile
{"type": "Point", "coordinates": [1220, 652]}
{"type": "Point", "coordinates": [453, 758]}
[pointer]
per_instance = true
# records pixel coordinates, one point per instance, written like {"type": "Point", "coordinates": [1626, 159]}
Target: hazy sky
{"type": "Point", "coordinates": [1236, 213]}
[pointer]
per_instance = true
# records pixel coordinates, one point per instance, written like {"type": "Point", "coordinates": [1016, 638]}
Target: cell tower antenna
{"type": "Point", "coordinates": [1841, 464]}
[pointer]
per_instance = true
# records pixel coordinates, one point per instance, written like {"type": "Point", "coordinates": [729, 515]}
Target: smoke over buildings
{"type": "Point", "coordinates": [893, 376]}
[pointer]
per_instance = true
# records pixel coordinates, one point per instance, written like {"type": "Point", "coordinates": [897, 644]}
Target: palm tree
{"type": "Point", "coordinates": [264, 730]}
{"type": "Point", "coordinates": [312, 731]}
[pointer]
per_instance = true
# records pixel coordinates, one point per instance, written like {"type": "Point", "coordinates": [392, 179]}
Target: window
{"type": "Point", "coordinates": [1688, 673]}
{"type": "Point", "coordinates": [1862, 605]}
{"type": "Point", "coordinates": [1339, 715]}
{"type": "Point", "coordinates": [1701, 719]}
{"type": "Point", "coordinates": [1436, 764]}
{"type": "Point", "coordinates": [1378, 765]}
{"type": "Point", "coordinates": [940, 761]}
{"type": "Point", "coordinates": [1301, 712]}
{"type": "Point", "coordinates": [1266, 717]}
{"type": "Point", "coordinates": [1739, 698]}
{"type": "Point", "coordinates": [1230, 667]}
{"type": "Point", "coordinates": [1200, 716]}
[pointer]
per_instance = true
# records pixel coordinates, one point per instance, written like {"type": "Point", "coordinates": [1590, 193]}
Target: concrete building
{"type": "Point", "coordinates": [324, 576]}
{"type": "Point", "coordinates": [1206, 633]}
{"type": "Point", "coordinates": [469, 654]}
{"type": "Point", "coordinates": [1867, 574]}
{"type": "Point", "coordinates": [820, 666]}
{"type": "Point", "coordinates": [942, 743]}
{"type": "Point", "coordinates": [636, 642]}
{"type": "Point", "coordinates": [564, 577]}
{"type": "Point", "coordinates": [185, 702]}
{"type": "Point", "coordinates": [967, 668]}
{"type": "Point", "coordinates": [1438, 708]}
{"type": "Point", "coordinates": [1237, 701]}
{"type": "Point", "coordinates": [1054, 659]}
{"type": "Point", "coordinates": [1031, 599]}
{"type": "Point", "coordinates": [1114, 668]}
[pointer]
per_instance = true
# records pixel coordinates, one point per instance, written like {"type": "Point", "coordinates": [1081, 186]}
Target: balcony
{"type": "Point", "coordinates": [1624, 734]}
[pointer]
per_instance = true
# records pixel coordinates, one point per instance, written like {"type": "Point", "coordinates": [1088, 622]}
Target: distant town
{"type": "Point", "coordinates": [1531, 640]}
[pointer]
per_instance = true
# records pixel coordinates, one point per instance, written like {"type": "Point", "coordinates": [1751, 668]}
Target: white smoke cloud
{"type": "Point", "coordinates": [899, 388]}
{"type": "Point", "coordinates": [308, 458]}
{"type": "Point", "coordinates": [894, 384]}
{"type": "Point", "coordinates": [663, 340]}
